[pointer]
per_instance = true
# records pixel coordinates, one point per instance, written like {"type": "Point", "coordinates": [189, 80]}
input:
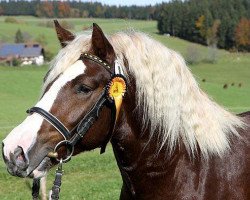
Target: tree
{"type": "Point", "coordinates": [200, 25]}
{"type": "Point", "coordinates": [85, 13]}
{"type": "Point", "coordinates": [1, 10]}
{"type": "Point", "coordinates": [19, 37]}
{"type": "Point", "coordinates": [99, 11]}
{"type": "Point", "coordinates": [242, 34]}
{"type": "Point", "coordinates": [212, 34]}
{"type": "Point", "coordinates": [45, 9]}
{"type": "Point", "coordinates": [208, 22]}
{"type": "Point", "coordinates": [63, 9]}
{"type": "Point", "coordinates": [48, 9]}
{"type": "Point", "coordinates": [74, 12]}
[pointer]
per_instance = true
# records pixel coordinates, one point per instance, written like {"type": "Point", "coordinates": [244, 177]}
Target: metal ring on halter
{"type": "Point", "coordinates": [70, 150]}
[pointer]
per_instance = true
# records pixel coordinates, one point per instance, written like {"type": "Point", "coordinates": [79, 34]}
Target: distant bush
{"type": "Point", "coordinates": [67, 24]}
{"type": "Point", "coordinates": [11, 20]}
{"type": "Point", "coordinates": [27, 37]}
{"type": "Point", "coordinates": [193, 55]}
{"type": "Point", "coordinates": [48, 55]}
{"type": "Point", "coordinates": [41, 39]}
{"type": "Point", "coordinates": [212, 55]}
{"type": "Point", "coordinates": [48, 24]}
{"type": "Point", "coordinates": [16, 62]}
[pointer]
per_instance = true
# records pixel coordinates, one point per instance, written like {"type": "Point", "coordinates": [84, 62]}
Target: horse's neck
{"type": "Point", "coordinates": [149, 174]}
{"type": "Point", "coordinates": [137, 156]}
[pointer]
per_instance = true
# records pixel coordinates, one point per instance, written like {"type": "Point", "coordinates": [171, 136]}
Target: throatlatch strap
{"type": "Point", "coordinates": [111, 129]}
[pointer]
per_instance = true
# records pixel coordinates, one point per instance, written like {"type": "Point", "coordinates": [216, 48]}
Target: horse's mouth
{"type": "Point", "coordinates": [31, 172]}
{"type": "Point", "coordinates": [41, 170]}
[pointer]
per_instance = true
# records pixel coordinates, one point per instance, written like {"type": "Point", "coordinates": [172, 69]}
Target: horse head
{"type": "Point", "coordinates": [68, 98]}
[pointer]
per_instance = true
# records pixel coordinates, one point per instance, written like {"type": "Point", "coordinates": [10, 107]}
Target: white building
{"type": "Point", "coordinates": [27, 53]}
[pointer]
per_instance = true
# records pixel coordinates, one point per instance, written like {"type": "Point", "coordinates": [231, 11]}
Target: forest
{"type": "Point", "coordinates": [216, 23]}
{"type": "Point", "coordinates": [62, 9]}
{"type": "Point", "coordinates": [222, 23]}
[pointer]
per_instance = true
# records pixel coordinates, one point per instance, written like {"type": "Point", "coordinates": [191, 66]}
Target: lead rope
{"type": "Point", "coordinates": [35, 188]}
{"type": "Point", "coordinates": [54, 193]}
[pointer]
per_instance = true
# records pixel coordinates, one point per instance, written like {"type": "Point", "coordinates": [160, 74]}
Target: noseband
{"type": "Point", "coordinates": [111, 96]}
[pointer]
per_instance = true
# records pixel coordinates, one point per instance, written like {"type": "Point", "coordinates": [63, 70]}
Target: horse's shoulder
{"type": "Point", "coordinates": [246, 118]}
{"type": "Point", "coordinates": [245, 114]}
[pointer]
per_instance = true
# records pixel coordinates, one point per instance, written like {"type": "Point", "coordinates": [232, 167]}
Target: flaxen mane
{"type": "Point", "coordinates": [167, 93]}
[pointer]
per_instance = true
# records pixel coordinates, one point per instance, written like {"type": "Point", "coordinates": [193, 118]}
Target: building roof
{"type": "Point", "coordinates": [20, 50]}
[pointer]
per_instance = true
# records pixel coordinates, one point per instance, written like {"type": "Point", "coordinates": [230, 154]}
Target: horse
{"type": "Point", "coordinates": [170, 140]}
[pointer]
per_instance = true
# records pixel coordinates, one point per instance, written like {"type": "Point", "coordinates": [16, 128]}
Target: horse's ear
{"type": "Point", "coordinates": [63, 35]}
{"type": "Point", "coordinates": [101, 46]}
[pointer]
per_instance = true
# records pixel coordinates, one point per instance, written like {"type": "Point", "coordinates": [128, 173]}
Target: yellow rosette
{"type": "Point", "coordinates": [116, 91]}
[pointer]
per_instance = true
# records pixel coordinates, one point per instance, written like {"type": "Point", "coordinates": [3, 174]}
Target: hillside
{"type": "Point", "coordinates": [230, 68]}
{"type": "Point", "coordinates": [91, 176]}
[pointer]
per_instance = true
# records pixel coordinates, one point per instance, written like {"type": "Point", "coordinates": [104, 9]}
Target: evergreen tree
{"type": "Point", "coordinates": [1, 10]}
{"type": "Point", "coordinates": [19, 37]}
{"type": "Point", "coordinates": [203, 21]}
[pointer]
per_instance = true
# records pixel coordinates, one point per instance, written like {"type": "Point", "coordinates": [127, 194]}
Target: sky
{"type": "Point", "coordinates": [130, 2]}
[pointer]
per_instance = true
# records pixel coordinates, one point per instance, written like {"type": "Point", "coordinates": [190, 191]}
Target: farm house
{"type": "Point", "coordinates": [27, 54]}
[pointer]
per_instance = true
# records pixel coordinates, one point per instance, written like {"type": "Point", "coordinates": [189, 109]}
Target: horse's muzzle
{"type": "Point", "coordinates": [18, 162]}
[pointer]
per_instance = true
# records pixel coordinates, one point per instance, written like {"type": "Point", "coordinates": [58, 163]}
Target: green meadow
{"type": "Point", "coordinates": [92, 176]}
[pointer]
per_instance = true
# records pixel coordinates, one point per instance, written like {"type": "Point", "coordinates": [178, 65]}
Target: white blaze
{"type": "Point", "coordinates": [25, 134]}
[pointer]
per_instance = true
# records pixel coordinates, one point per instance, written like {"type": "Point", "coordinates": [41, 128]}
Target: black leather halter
{"type": "Point", "coordinates": [52, 120]}
{"type": "Point", "coordinates": [73, 136]}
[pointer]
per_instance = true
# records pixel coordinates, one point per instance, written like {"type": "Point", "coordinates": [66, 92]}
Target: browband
{"type": "Point", "coordinates": [97, 60]}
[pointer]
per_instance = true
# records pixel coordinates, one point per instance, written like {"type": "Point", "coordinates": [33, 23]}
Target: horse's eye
{"type": "Point", "coordinates": [84, 89]}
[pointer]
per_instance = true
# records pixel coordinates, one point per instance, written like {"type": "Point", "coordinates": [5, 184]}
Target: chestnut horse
{"type": "Point", "coordinates": [169, 139]}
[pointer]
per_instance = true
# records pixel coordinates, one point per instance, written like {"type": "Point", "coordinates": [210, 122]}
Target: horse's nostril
{"type": "Point", "coordinates": [19, 158]}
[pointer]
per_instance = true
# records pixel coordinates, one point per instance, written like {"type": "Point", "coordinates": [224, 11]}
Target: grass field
{"type": "Point", "coordinates": [92, 176]}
